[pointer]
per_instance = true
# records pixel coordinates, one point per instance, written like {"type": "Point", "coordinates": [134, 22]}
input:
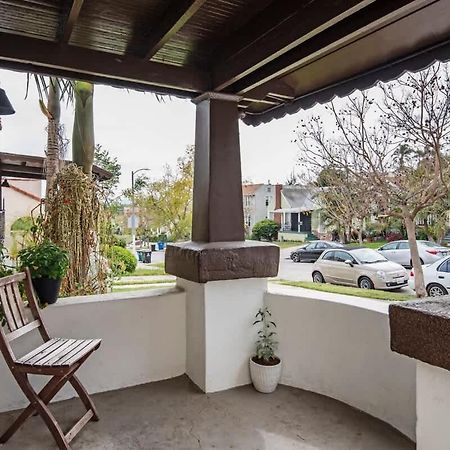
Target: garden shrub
{"type": "Point", "coordinates": [394, 236]}
{"type": "Point", "coordinates": [121, 260]}
{"type": "Point", "coordinates": [266, 230]}
{"type": "Point", "coordinates": [119, 241]}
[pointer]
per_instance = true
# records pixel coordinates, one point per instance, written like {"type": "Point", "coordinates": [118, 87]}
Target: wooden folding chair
{"type": "Point", "coordinates": [60, 358]}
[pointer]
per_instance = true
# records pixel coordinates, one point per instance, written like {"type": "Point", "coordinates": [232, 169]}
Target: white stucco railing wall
{"type": "Point", "coordinates": [340, 348]}
{"type": "Point", "coordinates": [144, 340]}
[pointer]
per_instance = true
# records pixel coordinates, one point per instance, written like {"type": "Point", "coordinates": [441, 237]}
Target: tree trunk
{"type": "Point", "coordinates": [83, 141]}
{"type": "Point", "coordinates": [360, 231]}
{"type": "Point", "coordinates": [52, 162]}
{"type": "Point", "coordinates": [415, 258]}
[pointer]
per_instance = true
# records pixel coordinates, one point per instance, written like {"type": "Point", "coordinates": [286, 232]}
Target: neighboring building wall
{"type": "Point", "coordinates": [19, 199]}
{"type": "Point", "coordinates": [259, 200]}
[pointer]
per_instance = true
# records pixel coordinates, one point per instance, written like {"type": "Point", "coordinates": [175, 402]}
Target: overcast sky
{"type": "Point", "coordinates": [143, 132]}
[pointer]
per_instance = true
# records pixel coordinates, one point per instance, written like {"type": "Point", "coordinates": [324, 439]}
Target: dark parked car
{"type": "Point", "coordinates": [312, 250]}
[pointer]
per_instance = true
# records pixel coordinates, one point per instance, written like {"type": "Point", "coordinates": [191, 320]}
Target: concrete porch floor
{"type": "Point", "coordinates": [174, 414]}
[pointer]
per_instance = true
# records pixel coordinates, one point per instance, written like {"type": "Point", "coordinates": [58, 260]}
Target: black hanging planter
{"type": "Point", "coordinates": [47, 289]}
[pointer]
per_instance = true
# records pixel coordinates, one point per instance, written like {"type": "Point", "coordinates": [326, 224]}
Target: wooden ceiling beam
{"type": "Point", "coordinates": [69, 20]}
{"type": "Point", "coordinates": [342, 33]}
{"type": "Point", "coordinates": [36, 55]}
{"type": "Point", "coordinates": [175, 16]}
{"type": "Point", "coordinates": [276, 30]}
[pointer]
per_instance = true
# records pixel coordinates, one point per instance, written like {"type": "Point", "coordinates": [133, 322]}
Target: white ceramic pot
{"type": "Point", "coordinates": [265, 378]}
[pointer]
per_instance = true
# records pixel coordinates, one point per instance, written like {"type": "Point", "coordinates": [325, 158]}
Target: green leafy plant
{"type": "Point", "coordinates": [121, 260]}
{"type": "Point", "coordinates": [266, 343]}
{"type": "Point", "coordinates": [266, 230]}
{"type": "Point", "coordinates": [45, 260]}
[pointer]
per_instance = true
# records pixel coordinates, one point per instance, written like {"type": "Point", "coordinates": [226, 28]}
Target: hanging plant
{"type": "Point", "coordinates": [76, 221]}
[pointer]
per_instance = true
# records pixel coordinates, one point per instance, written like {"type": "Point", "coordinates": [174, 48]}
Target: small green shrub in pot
{"type": "Point", "coordinates": [48, 265]}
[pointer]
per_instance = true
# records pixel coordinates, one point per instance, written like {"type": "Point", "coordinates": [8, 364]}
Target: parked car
{"type": "Point", "coordinates": [398, 251]}
{"type": "Point", "coordinates": [312, 250]}
{"type": "Point", "coordinates": [436, 277]}
{"type": "Point", "coordinates": [361, 267]}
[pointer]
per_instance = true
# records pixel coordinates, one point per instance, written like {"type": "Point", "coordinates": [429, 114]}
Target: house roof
{"type": "Point", "coordinates": [250, 189]}
{"type": "Point", "coordinates": [32, 167]}
{"type": "Point", "coordinates": [299, 198]}
{"type": "Point", "coordinates": [277, 56]}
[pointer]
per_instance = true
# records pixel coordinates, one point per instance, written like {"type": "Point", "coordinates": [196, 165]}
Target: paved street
{"type": "Point", "coordinates": [289, 270]}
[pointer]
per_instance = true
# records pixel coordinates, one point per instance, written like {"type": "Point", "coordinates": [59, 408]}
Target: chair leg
{"type": "Point", "coordinates": [84, 396]}
{"type": "Point", "coordinates": [46, 394]}
{"type": "Point", "coordinates": [44, 411]}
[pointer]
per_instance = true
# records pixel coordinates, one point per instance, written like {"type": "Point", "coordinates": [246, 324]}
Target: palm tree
{"type": "Point", "coordinates": [83, 142]}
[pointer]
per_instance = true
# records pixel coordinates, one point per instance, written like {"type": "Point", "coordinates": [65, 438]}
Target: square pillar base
{"type": "Point", "coordinates": [220, 336]}
{"type": "Point", "coordinates": [213, 261]}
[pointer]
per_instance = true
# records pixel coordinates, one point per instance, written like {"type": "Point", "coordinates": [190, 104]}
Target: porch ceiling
{"type": "Point", "coordinates": [279, 56]}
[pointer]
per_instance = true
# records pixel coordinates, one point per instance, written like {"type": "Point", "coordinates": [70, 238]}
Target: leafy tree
{"type": "Point", "coordinates": [266, 230]}
{"type": "Point", "coordinates": [401, 160]}
{"type": "Point", "coordinates": [103, 159]}
{"type": "Point", "coordinates": [167, 202]}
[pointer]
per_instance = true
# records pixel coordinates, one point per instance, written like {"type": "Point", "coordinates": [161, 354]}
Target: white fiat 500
{"type": "Point", "coordinates": [436, 277]}
{"type": "Point", "coordinates": [361, 267]}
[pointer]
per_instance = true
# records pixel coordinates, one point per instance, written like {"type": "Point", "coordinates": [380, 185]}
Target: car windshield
{"type": "Point", "coordinates": [368, 256]}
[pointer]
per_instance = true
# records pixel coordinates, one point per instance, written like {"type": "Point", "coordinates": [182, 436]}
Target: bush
{"type": "Point", "coordinates": [266, 230]}
{"type": "Point", "coordinates": [394, 236]}
{"type": "Point", "coordinates": [121, 260]}
{"type": "Point", "coordinates": [119, 241]}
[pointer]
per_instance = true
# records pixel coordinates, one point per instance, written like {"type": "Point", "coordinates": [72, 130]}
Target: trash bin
{"type": "Point", "coordinates": [161, 245]}
{"type": "Point", "coordinates": [146, 256]}
{"type": "Point", "coordinates": [139, 255]}
{"type": "Point", "coordinates": [153, 247]}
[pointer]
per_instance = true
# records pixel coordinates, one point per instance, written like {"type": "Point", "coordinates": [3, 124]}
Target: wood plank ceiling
{"type": "Point", "coordinates": [277, 55]}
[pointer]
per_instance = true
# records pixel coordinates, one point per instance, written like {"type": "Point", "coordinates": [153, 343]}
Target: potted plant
{"type": "Point", "coordinates": [48, 264]}
{"type": "Point", "coordinates": [265, 366]}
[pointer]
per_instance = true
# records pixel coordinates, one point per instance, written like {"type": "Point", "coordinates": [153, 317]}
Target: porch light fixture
{"type": "Point", "coordinates": [6, 108]}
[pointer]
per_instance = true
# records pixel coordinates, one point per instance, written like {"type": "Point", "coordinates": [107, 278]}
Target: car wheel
{"type": "Point", "coordinates": [365, 283]}
{"type": "Point", "coordinates": [436, 290]}
{"type": "Point", "coordinates": [296, 257]}
{"type": "Point", "coordinates": [318, 277]}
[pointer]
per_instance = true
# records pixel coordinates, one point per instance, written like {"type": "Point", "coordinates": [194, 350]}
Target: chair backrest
{"type": "Point", "coordinates": [15, 317]}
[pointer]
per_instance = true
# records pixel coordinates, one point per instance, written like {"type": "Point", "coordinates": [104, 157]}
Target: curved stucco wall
{"type": "Point", "coordinates": [340, 348]}
{"type": "Point", "coordinates": [144, 339]}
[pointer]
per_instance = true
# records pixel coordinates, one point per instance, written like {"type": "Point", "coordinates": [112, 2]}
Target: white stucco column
{"type": "Point", "coordinates": [220, 337]}
{"type": "Point", "coordinates": [433, 407]}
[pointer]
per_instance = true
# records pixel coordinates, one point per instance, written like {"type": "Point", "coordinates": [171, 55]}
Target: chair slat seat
{"type": "Point", "coordinates": [58, 352]}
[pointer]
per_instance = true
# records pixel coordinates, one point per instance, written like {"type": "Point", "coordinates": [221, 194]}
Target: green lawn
{"type": "Point", "coordinates": [345, 290]}
{"type": "Point", "coordinates": [158, 269]}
